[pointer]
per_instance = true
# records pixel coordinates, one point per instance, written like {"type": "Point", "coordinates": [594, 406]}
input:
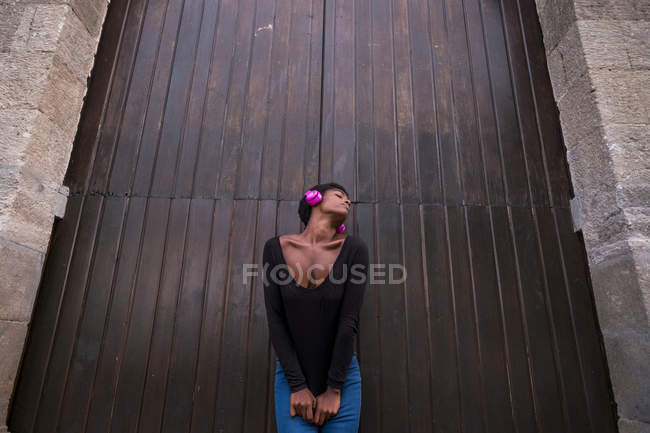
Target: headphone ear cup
{"type": "Point", "coordinates": [313, 197]}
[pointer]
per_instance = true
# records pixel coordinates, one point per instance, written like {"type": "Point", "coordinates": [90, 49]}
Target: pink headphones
{"type": "Point", "coordinates": [314, 197]}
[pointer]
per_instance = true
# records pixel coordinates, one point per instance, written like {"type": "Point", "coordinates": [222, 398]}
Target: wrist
{"type": "Point", "coordinates": [333, 390]}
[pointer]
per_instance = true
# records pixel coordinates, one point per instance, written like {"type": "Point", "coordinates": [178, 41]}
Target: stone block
{"type": "Point", "coordinates": [12, 340]}
{"type": "Point", "coordinates": [629, 147]}
{"type": "Point", "coordinates": [567, 61]}
{"type": "Point", "coordinates": [612, 9]}
{"type": "Point", "coordinates": [41, 81]}
{"type": "Point", "coordinates": [640, 246]}
{"type": "Point", "coordinates": [91, 13]}
{"type": "Point", "coordinates": [605, 43]}
{"type": "Point", "coordinates": [638, 46]}
{"type": "Point", "coordinates": [41, 27]}
{"type": "Point", "coordinates": [555, 65]}
{"type": "Point", "coordinates": [27, 209]}
{"type": "Point", "coordinates": [616, 44]}
{"type": "Point", "coordinates": [77, 48]}
{"type": "Point", "coordinates": [594, 183]}
{"type": "Point", "coordinates": [28, 138]}
{"type": "Point", "coordinates": [23, 78]}
{"type": "Point", "coordinates": [12, 17]}
{"type": "Point", "coordinates": [619, 296]}
{"type": "Point", "coordinates": [555, 18]}
{"type": "Point", "coordinates": [4, 404]}
{"type": "Point", "coordinates": [629, 426]}
{"type": "Point", "coordinates": [63, 97]}
{"type": "Point", "coordinates": [579, 113]}
{"type": "Point", "coordinates": [638, 220]}
{"type": "Point", "coordinates": [623, 96]}
{"type": "Point", "coordinates": [572, 58]}
{"type": "Point", "coordinates": [627, 354]}
{"type": "Point", "coordinates": [49, 28]}
{"type": "Point", "coordinates": [629, 144]}
{"type": "Point", "coordinates": [21, 269]}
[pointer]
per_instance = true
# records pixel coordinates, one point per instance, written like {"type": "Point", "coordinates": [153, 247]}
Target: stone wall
{"type": "Point", "coordinates": [47, 50]}
{"type": "Point", "coordinates": [598, 55]}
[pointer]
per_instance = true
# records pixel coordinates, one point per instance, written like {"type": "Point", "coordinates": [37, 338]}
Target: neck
{"type": "Point", "coordinates": [319, 230]}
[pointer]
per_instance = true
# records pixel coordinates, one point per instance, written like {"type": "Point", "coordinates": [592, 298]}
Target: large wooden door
{"type": "Point", "coordinates": [204, 123]}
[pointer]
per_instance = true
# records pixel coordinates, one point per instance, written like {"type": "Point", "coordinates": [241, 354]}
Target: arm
{"type": "Point", "coordinates": [351, 304]}
{"type": "Point", "coordinates": [278, 330]}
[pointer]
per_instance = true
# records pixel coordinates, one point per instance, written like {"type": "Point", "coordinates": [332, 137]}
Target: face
{"type": "Point", "coordinates": [335, 200]}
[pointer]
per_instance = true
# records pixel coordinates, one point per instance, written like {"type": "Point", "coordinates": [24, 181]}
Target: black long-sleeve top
{"type": "Point", "coordinates": [312, 329]}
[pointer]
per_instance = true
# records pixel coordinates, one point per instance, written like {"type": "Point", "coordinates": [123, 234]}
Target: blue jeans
{"type": "Point", "coordinates": [346, 419]}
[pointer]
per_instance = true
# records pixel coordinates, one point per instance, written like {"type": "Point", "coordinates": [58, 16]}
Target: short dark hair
{"type": "Point", "coordinates": [304, 209]}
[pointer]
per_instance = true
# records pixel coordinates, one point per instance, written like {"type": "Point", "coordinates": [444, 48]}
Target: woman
{"type": "Point", "coordinates": [314, 284]}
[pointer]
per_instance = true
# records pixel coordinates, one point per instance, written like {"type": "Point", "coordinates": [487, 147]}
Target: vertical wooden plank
{"type": "Point", "coordinates": [515, 323]}
{"type": "Point", "coordinates": [502, 151]}
{"type": "Point", "coordinates": [571, 368]}
{"type": "Point", "coordinates": [405, 142]}
{"type": "Point", "coordinates": [230, 151]}
{"type": "Point", "coordinates": [338, 146]}
{"type": "Point", "coordinates": [278, 83]}
{"type": "Point", "coordinates": [163, 179]}
{"type": "Point", "coordinates": [520, 143]}
{"type": "Point", "coordinates": [553, 151]}
{"type": "Point", "coordinates": [229, 410]}
{"type": "Point", "coordinates": [386, 174]}
{"type": "Point", "coordinates": [601, 404]}
{"type": "Point", "coordinates": [163, 320]}
{"type": "Point", "coordinates": [139, 36]}
{"type": "Point", "coordinates": [368, 338]}
{"type": "Point", "coordinates": [109, 53]}
{"type": "Point", "coordinates": [417, 322]}
{"type": "Point", "coordinates": [260, 390]}
{"type": "Point", "coordinates": [100, 405]}
{"type": "Point", "coordinates": [442, 76]}
{"type": "Point", "coordinates": [211, 339]}
{"type": "Point", "coordinates": [444, 344]}
{"type": "Point", "coordinates": [256, 109]}
{"type": "Point", "coordinates": [467, 140]}
{"type": "Point", "coordinates": [190, 142]}
{"type": "Point", "coordinates": [296, 121]}
{"type": "Point", "coordinates": [489, 318]}
{"type": "Point", "coordinates": [427, 169]}
{"type": "Point", "coordinates": [47, 306]}
{"type": "Point", "coordinates": [151, 309]}
{"type": "Point", "coordinates": [69, 313]}
{"type": "Point", "coordinates": [214, 111]}
{"type": "Point", "coordinates": [136, 146]}
{"type": "Point", "coordinates": [183, 354]}
{"type": "Point", "coordinates": [393, 342]}
{"type": "Point", "coordinates": [93, 314]}
{"type": "Point", "coordinates": [544, 375]}
{"type": "Point", "coordinates": [470, 370]}
{"type": "Point", "coordinates": [483, 88]}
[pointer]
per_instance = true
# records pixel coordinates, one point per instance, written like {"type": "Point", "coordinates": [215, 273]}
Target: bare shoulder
{"type": "Point", "coordinates": [289, 239]}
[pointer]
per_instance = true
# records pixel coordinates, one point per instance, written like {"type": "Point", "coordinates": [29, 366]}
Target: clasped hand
{"type": "Point", "coordinates": [318, 409]}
